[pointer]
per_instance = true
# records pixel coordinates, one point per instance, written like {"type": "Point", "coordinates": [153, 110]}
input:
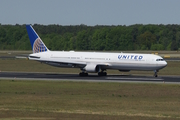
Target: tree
{"type": "Point", "coordinates": [82, 37]}
{"type": "Point", "coordinates": [157, 47]}
{"type": "Point", "coordinates": [174, 45]}
{"type": "Point", "coordinates": [146, 39]}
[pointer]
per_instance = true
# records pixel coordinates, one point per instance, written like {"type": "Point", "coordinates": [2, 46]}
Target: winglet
{"type": "Point", "coordinates": [36, 42]}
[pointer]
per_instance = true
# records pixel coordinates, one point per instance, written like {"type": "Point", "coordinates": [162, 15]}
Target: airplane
{"type": "Point", "coordinates": [93, 62]}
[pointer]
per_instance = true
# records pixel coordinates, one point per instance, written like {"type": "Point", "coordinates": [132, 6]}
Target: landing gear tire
{"type": "Point", "coordinates": [155, 73]}
{"type": "Point", "coordinates": [83, 74]}
{"type": "Point", "coordinates": [102, 73]}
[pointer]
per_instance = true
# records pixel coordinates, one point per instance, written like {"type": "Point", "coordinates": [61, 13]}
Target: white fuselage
{"type": "Point", "coordinates": [119, 61]}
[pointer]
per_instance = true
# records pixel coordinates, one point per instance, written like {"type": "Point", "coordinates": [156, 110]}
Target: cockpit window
{"type": "Point", "coordinates": [159, 59]}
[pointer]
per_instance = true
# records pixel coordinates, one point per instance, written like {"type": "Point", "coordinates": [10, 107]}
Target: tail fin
{"type": "Point", "coordinates": [36, 42]}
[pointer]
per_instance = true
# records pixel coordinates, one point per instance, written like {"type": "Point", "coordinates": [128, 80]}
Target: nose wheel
{"type": "Point", "coordinates": [155, 73]}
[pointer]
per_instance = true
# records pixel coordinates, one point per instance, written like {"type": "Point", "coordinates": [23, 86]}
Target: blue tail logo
{"type": "Point", "coordinates": [36, 42]}
{"type": "Point", "coordinates": [39, 46]}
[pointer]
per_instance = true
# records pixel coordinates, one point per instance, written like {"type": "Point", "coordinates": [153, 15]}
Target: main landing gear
{"type": "Point", "coordinates": [86, 74]}
{"type": "Point", "coordinates": [155, 73]}
{"type": "Point", "coordinates": [102, 73]}
{"type": "Point", "coordinates": [83, 74]}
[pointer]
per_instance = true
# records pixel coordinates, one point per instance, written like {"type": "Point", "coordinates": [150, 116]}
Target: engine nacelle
{"type": "Point", "coordinates": [93, 68]}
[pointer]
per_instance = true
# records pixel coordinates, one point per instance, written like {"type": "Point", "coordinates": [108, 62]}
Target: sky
{"type": "Point", "coordinates": [90, 12]}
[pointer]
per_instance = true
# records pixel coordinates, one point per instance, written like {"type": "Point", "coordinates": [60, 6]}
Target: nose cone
{"type": "Point", "coordinates": [164, 64]}
{"type": "Point", "coordinates": [161, 64]}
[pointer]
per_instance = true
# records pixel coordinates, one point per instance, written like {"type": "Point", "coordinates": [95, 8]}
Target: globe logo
{"type": "Point", "coordinates": [39, 46]}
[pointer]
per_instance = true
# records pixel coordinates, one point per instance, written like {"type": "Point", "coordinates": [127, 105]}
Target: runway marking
{"type": "Point", "coordinates": [118, 78]}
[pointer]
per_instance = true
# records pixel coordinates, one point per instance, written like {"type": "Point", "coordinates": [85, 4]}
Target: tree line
{"type": "Point", "coordinates": [99, 37]}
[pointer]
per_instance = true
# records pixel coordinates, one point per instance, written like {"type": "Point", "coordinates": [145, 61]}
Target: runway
{"type": "Point", "coordinates": [90, 78]}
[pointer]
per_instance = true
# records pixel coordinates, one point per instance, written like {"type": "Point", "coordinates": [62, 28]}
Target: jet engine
{"type": "Point", "coordinates": [93, 68]}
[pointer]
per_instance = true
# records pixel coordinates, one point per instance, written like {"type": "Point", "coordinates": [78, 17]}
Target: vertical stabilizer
{"type": "Point", "coordinates": [36, 42]}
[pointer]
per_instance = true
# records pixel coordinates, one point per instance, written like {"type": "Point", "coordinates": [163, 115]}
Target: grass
{"type": "Point", "coordinates": [86, 100]}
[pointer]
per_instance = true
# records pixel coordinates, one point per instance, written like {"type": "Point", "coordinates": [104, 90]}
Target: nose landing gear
{"type": "Point", "coordinates": [155, 73]}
